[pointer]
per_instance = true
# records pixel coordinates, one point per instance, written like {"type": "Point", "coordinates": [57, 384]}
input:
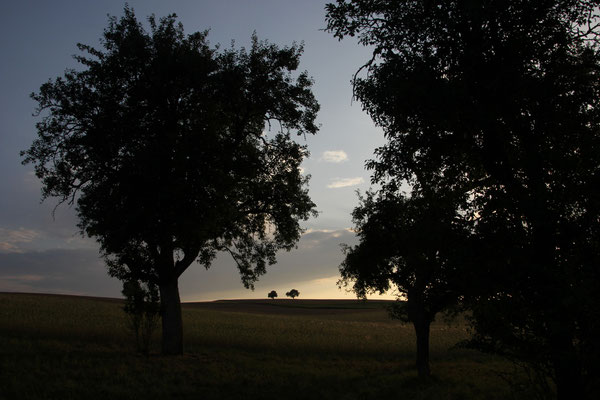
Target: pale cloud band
{"type": "Point", "coordinates": [345, 182]}
{"type": "Point", "coordinates": [334, 156]}
{"type": "Point", "coordinates": [10, 239]}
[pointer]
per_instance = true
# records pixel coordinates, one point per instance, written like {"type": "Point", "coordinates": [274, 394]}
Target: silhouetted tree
{"type": "Point", "coordinates": [164, 145]}
{"type": "Point", "coordinates": [293, 294]}
{"type": "Point", "coordinates": [142, 305]}
{"type": "Point", "coordinates": [141, 291]}
{"type": "Point", "coordinates": [412, 245]}
{"type": "Point", "coordinates": [272, 294]}
{"type": "Point", "coordinates": [503, 98]}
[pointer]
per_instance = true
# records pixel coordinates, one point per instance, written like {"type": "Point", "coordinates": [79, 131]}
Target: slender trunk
{"type": "Point", "coordinates": [422, 325]}
{"type": "Point", "coordinates": [172, 323]}
{"type": "Point", "coordinates": [557, 310]}
{"type": "Point", "coordinates": [569, 379]}
{"type": "Point", "coordinates": [421, 318]}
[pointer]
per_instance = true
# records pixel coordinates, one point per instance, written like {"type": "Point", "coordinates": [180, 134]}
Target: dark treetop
{"type": "Point", "coordinates": [499, 100]}
{"type": "Point", "coordinates": [159, 139]}
{"type": "Point", "coordinates": [160, 142]}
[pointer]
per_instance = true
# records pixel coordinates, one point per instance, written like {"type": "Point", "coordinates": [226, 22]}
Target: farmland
{"type": "Point", "coordinates": [67, 347]}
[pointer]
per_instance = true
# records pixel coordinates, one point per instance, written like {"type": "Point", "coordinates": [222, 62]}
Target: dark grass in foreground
{"type": "Point", "coordinates": [64, 347]}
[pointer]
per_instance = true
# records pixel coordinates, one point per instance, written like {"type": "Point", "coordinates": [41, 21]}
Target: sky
{"type": "Point", "coordinates": [42, 253]}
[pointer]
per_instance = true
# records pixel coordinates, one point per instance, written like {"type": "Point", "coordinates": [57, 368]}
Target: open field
{"type": "Point", "coordinates": [64, 347]}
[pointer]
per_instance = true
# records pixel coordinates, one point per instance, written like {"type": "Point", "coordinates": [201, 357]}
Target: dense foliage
{"type": "Point", "coordinates": [412, 246]}
{"type": "Point", "coordinates": [164, 144]}
{"type": "Point", "coordinates": [142, 306]}
{"type": "Point", "coordinates": [499, 100]}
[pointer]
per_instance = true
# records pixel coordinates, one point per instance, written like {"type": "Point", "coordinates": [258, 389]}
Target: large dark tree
{"type": "Point", "coordinates": [503, 98]}
{"type": "Point", "coordinates": [165, 146]}
{"type": "Point", "coordinates": [412, 246]}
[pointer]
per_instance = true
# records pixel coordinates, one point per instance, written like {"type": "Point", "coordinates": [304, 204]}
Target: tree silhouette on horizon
{"type": "Point", "coordinates": [414, 246]}
{"type": "Point", "coordinates": [164, 145]}
{"type": "Point", "coordinates": [500, 99]}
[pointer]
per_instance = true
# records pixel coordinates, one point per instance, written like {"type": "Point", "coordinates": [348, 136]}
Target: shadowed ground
{"type": "Point", "coordinates": [373, 308]}
{"type": "Point", "coordinates": [71, 347]}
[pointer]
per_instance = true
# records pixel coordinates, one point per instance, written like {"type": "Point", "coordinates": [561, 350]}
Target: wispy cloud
{"type": "Point", "coordinates": [11, 238]}
{"type": "Point", "coordinates": [345, 182]}
{"type": "Point", "coordinates": [324, 239]}
{"type": "Point", "coordinates": [331, 232]}
{"type": "Point", "coordinates": [334, 156]}
{"type": "Point", "coordinates": [26, 277]}
{"type": "Point", "coordinates": [56, 271]}
{"type": "Point", "coordinates": [311, 230]}
{"type": "Point", "coordinates": [331, 280]}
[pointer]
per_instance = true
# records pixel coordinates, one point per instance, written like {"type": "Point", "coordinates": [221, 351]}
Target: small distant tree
{"type": "Point", "coordinates": [272, 294]}
{"type": "Point", "coordinates": [142, 306]}
{"type": "Point", "coordinates": [293, 294]}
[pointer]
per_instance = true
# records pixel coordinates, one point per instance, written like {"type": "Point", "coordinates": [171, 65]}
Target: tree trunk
{"type": "Point", "coordinates": [172, 323]}
{"type": "Point", "coordinates": [569, 380]}
{"type": "Point", "coordinates": [422, 325]}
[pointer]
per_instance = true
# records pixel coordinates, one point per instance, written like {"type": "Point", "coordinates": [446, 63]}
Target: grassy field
{"type": "Point", "coordinates": [63, 347]}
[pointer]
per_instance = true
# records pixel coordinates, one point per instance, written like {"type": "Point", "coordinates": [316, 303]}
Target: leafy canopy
{"type": "Point", "coordinates": [409, 244]}
{"type": "Point", "coordinates": [499, 100]}
{"type": "Point", "coordinates": [165, 146]}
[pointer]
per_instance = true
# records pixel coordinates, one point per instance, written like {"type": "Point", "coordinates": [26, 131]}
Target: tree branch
{"type": "Point", "coordinates": [190, 255]}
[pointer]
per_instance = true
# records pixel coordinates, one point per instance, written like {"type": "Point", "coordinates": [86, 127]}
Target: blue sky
{"type": "Point", "coordinates": [39, 253]}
